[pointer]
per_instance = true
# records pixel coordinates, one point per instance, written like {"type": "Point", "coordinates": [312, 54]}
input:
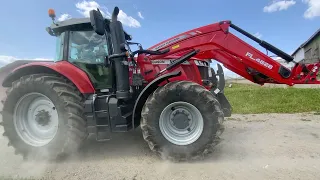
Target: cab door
{"type": "Point", "coordinates": [87, 50]}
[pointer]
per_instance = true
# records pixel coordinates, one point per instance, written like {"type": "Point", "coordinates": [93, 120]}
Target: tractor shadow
{"type": "Point", "coordinates": [121, 145]}
{"type": "Point", "coordinates": [132, 145]}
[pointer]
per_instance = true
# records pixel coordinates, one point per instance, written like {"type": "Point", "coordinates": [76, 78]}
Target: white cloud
{"type": "Point", "coordinates": [140, 15]}
{"type": "Point", "coordinates": [85, 7]}
{"type": "Point", "coordinates": [135, 6]}
{"type": "Point", "coordinates": [4, 60]}
{"type": "Point", "coordinates": [258, 35]}
{"type": "Point", "coordinates": [313, 9]}
{"type": "Point", "coordinates": [128, 20]}
{"type": "Point", "coordinates": [279, 5]}
{"type": "Point", "coordinates": [64, 17]}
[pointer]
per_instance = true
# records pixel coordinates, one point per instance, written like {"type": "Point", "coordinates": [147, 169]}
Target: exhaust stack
{"type": "Point", "coordinates": [121, 63]}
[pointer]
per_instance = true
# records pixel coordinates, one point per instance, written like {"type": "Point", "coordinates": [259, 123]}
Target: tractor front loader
{"type": "Point", "coordinates": [97, 85]}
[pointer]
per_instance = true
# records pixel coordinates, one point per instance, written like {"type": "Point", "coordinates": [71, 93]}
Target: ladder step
{"type": "Point", "coordinates": [103, 136]}
{"type": "Point", "coordinates": [102, 125]}
{"type": "Point", "coordinates": [101, 111]}
{"type": "Point", "coordinates": [127, 115]}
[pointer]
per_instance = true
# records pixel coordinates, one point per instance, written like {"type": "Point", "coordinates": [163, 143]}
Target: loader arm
{"type": "Point", "coordinates": [215, 41]}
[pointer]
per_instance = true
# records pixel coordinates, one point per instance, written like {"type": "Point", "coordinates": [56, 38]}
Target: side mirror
{"type": "Point", "coordinates": [97, 22]}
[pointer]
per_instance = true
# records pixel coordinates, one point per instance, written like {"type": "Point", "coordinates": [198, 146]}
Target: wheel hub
{"type": "Point", "coordinates": [43, 117]}
{"type": "Point", "coordinates": [181, 123]}
{"type": "Point", "coordinates": [181, 118]}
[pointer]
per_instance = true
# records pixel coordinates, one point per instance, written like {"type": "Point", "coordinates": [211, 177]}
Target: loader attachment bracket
{"type": "Point", "coordinates": [221, 82]}
{"type": "Point", "coordinates": [219, 93]}
{"type": "Point", "coordinates": [284, 72]}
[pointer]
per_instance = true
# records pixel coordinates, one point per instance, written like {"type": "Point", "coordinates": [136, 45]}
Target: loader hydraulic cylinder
{"type": "Point", "coordinates": [264, 44]}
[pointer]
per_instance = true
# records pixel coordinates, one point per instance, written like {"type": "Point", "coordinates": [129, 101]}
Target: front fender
{"type": "Point", "coordinates": [143, 96]}
{"type": "Point", "coordinates": [64, 68]}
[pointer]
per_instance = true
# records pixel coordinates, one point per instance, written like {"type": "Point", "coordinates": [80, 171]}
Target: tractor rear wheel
{"type": "Point", "coordinates": [43, 117]}
{"type": "Point", "coordinates": [182, 121]}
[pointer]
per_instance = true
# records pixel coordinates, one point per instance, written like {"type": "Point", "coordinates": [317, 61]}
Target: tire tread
{"type": "Point", "coordinates": [152, 101]}
{"type": "Point", "coordinates": [72, 100]}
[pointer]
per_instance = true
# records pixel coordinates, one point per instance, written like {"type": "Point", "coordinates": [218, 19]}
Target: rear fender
{"type": "Point", "coordinates": [143, 96]}
{"type": "Point", "coordinates": [64, 68]}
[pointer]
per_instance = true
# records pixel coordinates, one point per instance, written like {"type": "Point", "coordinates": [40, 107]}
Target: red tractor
{"type": "Point", "coordinates": [98, 85]}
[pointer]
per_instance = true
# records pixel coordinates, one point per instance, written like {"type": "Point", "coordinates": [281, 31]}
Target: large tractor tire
{"type": "Point", "coordinates": [182, 121]}
{"type": "Point", "coordinates": [43, 117]}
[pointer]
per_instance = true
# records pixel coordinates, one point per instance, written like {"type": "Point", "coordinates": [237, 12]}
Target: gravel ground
{"type": "Point", "coordinates": [264, 146]}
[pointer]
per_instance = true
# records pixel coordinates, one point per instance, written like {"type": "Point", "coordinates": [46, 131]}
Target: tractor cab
{"type": "Point", "coordinates": [80, 45]}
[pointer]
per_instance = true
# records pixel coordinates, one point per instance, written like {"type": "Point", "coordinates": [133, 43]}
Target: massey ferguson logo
{"type": "Point", "coordinates": [262, 62]}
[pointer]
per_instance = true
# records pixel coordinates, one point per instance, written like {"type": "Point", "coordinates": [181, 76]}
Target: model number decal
{"type": "Point", "coordinates": [169, 61]}
{"type": "Point", "coordinates": [176, 39]}
{"type": "Point", "coordinates": [262, 62]}
{"type": "Point", "coordinates": [166, 61]}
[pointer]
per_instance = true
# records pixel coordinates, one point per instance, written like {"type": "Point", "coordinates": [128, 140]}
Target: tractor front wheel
{"type": "Point", "coordinates": [43, 117]}
{"type": "Point", "coordinates": [182, 121]}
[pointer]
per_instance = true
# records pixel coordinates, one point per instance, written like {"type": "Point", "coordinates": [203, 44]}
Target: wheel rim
{"type": "Point", "coordinates": [35, 119]}
{"type": "Point", "coordinates": [181, 123]}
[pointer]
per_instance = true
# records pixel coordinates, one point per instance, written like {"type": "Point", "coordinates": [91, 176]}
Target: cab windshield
{"type": "Point", "coordinates": [87, 47]}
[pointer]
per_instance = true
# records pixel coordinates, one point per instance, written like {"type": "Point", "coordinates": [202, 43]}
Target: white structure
{"type": "Point", "coordinates": [284, 63]}
{"type": "Point", "coordinates": [308, 52]}
{"type": "Point", "coordinates": [298, 54]}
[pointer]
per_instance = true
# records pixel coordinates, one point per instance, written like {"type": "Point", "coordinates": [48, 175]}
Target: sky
{"type": "Point", "coordinates": [283, 23]}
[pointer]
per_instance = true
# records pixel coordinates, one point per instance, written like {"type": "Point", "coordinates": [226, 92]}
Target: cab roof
{"type": "Point", "coordinates": [74, 24]}
{"type": "Point", "coordinates": [71, 25]}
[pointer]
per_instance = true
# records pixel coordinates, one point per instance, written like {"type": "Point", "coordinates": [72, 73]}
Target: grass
{"type": "Point", "coordinates": [246, 99]}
